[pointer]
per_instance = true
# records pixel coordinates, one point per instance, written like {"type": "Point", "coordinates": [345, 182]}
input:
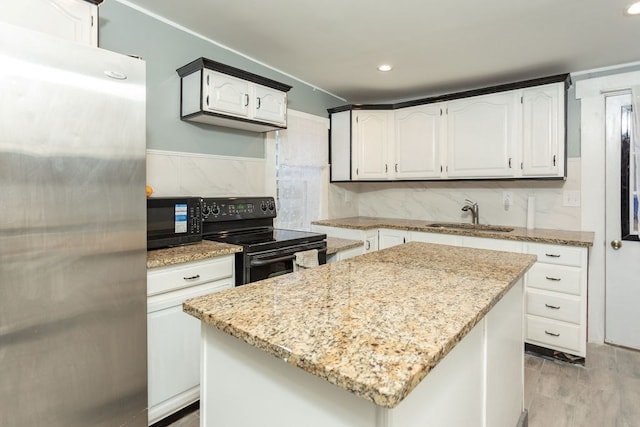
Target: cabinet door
{"type": "Point", "coordinates": [543, 130]}
{"type": "Point", "coordinates": [173, 349]}
{"type": "Point", "coordinates": [370, 241]}
{"type": "Point", "coordinates": [480, 134]}
{"type": "Point", "coordinates": [417, 142]}
{"type": "Point", "coordinates": [74, 20]}
{"type": "Point", "coordinates": [388, 238]}
{"type": "Point", "coordinates": [270, 105]}
{"type": "Point", "coordinates": [226, 94]}
{"type": "Point", "coordinates": [371, 136]}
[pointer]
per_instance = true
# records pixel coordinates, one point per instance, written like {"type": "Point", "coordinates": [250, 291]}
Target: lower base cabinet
{"type": "Point", "coordinates": [173, 337]}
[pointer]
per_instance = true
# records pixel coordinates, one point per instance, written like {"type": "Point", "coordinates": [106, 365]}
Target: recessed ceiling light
{"type": "Point", "coordinates": [384, 67]}
{"type": "Point", "coordinates": [634, 9]}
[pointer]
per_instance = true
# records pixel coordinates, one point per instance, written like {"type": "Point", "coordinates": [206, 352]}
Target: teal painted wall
{"type": "Point", "coordinates": [166, 48]}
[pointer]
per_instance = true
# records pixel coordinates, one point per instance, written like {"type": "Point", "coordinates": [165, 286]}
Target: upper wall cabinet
{"type": "Point", "coordinates": [480, 133]}
{"type": "Point", "coordinates": [504, 132]}
{"type": "Point", "coordinates": [543, 131]}
{"type": "Point", "coordinates": [74, 20]}
{"type": "Point", "coordinates": [419, 141]}
{"type": "Point", "coordinates": [217, 94]}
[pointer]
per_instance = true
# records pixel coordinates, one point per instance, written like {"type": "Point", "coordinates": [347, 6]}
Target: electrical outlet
{"type": "Point", "coordinates": [507, 199]}
{"type": "Point", "coordinates": [571, 198]}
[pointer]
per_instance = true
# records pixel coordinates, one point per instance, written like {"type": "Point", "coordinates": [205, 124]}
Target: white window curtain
{"type": "Point", "coordinates": [302, 171]}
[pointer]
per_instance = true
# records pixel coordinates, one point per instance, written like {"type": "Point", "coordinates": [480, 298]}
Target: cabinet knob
{"type": "Point", "coordinates": [616, 244]}
{"type": "Point", "coordinates": [259, 103]}
{"type": "Point", "coordinates": [246, 99]}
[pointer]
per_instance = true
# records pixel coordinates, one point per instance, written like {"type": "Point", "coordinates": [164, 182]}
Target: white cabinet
{"type": "Point", "coordinates": [224, 93]}
{"type": "Point", "coordinates": [514, 131]}
{"type": "Point", "coordinates": [555, 289]}
{"type": "Point", "coordinates": [372, 133]}
{"type": "Point", "coordinates": [419, 142]}
{"type": "Point", "coordinates": [173, 337]}
{"type": "Point", "coordinates": [389, 237]}
{"type": "Point", "coordinates": [340, 146]}
{"type": "Point", "coordinates": [543, 131]}
{"type": "Point", "coordinates": [481, 132]}
{"type": "Point", "coordinates": [270, 105]}
{"type": "Point", "coordinates": [438, 238]}
{"type": "Point", "coordinates": [74, 20]}
{"type": "Point", "coordinates": [492, 244]}
{"type": "Point", "coordinates": [556, 298]}
{"type": "Point", "coordinates": [218, 94]}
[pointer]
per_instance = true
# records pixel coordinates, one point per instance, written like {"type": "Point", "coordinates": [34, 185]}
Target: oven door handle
{"type": "Point", "coordinates": [261, 262]}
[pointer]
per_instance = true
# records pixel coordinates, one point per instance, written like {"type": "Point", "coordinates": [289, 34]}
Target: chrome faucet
{"type": "Point", "coordinates": [475, 210]}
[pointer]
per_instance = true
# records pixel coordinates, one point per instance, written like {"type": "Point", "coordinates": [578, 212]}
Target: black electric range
{"type": "Point", "coordinates": [248, 222]}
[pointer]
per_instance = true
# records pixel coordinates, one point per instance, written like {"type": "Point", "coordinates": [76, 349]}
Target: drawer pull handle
{"type": "Point", "coordinates": [553, 279]}
{"type": "Point", "coordinates": [553, 255]}
{"type": "Point", "coordinates": [196, 277]}
{"type": "Point", "coordinates": [555, 307]}
{"type": "Point", "coordinates": [552, 334]}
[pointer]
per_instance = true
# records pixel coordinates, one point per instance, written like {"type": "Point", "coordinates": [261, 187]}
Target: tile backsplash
{"type": "Point", "coordinates": [442, 201]}
{"type": "Point", "coordinates": [174, 173]}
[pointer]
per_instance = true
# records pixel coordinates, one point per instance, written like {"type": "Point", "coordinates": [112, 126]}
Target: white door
{"type": "Point", "coordinates": [74, 20]}
{"type": "Point", "coordinates": [622, 315]}
{"type": "Point", "coordinates": [226, 94]}
{"type": "Point", "coordinates": [270, 105]}
{"type": "Point", "coordinates": [372, 130]}
{"type": "Point", "coordinates": [543, 130]}
{"type": "Point", "coordinates": [480, 134]}
{"type": "Point", "coordinates": [418, 140]}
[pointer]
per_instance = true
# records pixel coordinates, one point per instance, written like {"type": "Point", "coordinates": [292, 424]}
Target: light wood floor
{"type": "Point", "coordinates": [603, 393]}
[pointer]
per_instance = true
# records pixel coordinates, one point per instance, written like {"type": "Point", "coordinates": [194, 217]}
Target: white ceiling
{"type": "Point", "coordinates": [435, 46]}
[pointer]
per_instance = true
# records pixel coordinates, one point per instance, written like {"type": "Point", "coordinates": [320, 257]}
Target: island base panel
{"type": "Point", "coordinates": [481, 377]}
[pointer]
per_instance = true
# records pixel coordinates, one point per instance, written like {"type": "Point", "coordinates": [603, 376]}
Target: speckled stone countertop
{"type": "Point", "coordinates": [538, 235]}
{"type": "Point", "coordinates": [195, 252]}
{"type": "Point", "coordinates": [336, 244]}
{"type": "Point", "coordinates": [374, 325]}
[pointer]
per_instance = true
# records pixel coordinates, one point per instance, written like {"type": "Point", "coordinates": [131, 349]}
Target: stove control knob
{"type": "Point", "coordinates": [206, 210]}
{"type": "Point", "coordinates": [215, 210]}
{"type": "Point", "coordinates": [271, 205]}
{"type": "Point", "coordinates": [263, 206]}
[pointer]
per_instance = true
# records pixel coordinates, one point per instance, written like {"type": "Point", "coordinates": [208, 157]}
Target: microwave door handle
{"type": "Point", "coordinates": [261, 262]}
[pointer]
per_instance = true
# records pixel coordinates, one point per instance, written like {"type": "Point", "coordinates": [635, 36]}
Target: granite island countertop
{"type": "Point", "coordinates": [374, 325]}
{"type": "Point", "coordinates": [537, 235]}
{"type": "Point", "coordinates": [336, 244]}
{"type": "Point", "coordinates": [187, 253]}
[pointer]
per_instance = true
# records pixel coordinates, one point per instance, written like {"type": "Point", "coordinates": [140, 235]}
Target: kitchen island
{"type": "Point", "coordinates": [412, 335]}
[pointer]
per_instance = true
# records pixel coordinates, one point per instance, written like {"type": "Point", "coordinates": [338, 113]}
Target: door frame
{"type": "Point", "coordinates": [591, 93]}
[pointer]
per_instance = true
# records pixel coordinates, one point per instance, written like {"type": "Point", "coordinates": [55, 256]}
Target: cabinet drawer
{"type": "Point", "coordinates": [556, 278]}
{"type": "Point", "coordinates": [554, 254]}
{"type": "Point", "coordinates": [553, 306]}
{"type": "Point", "coordinates": [164, 279]}
{"type": "Point", "coordinates": [553, 334]}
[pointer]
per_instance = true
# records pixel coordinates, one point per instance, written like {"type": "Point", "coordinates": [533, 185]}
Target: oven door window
{"type": "Point", "coordinates": [275, 263]}
{"type": "Point", "coordinates": [266, 267]}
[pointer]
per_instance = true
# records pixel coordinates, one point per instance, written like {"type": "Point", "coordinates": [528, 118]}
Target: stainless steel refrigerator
{"type": "Point", "coordinates": [72, 234]}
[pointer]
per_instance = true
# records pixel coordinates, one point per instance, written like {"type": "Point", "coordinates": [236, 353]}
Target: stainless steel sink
{"type": "Point", "coordinates": [473, 227]}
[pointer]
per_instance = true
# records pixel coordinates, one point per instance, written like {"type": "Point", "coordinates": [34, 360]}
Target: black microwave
{"type": "Point", "coordinates": [173, 221]}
